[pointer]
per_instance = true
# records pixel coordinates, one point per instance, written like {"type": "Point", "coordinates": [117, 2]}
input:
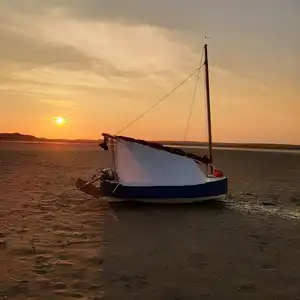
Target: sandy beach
{"type": "Point", "coordinates": [57, 243]}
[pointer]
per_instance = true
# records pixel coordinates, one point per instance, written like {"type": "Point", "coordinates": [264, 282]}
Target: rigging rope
{"type": "Point", "coordinates": [193, 98]}
{"type": "Point", "coordinates": [160, 100]}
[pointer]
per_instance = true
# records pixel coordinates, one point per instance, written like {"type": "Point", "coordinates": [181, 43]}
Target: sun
{"type": "Point", "coordinates": [59, 121]}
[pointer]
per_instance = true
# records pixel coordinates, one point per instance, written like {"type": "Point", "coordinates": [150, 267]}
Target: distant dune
{"type": "Point", "coordinates": [30, 138]}
{"type": "Point", "coordinates": [18, 137]}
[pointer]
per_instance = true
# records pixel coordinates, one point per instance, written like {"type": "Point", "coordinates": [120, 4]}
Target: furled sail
{"type": "Point", "coordinates": [203, 159]}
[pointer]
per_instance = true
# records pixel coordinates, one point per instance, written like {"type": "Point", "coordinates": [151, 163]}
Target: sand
{"type": "Point", "coordinates": [57, 243]}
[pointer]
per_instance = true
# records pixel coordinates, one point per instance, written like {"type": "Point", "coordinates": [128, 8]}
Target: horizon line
{"type": "Point", "coordinates": [174, 142]}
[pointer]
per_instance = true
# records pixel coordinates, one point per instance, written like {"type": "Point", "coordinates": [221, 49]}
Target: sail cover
{"type": "Point", "coordinates": [203, 159]}
{"type": "Point", "coordinates": [141, 165]}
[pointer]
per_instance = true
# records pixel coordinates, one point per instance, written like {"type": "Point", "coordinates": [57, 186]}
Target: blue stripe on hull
{"type": "Point", "coordinates": [209, 189]}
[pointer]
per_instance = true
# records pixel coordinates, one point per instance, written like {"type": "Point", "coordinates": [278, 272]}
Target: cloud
{"type": "Point", "coordinates": [110, 39]}
{"type": "Point", "coordinates": [56, 55]}
{"type": "Point", "coordinates": [173, 14]}
{"type": "Point", "coordinates": [240, 79]}
{"type": "Point", "coordinates": [126, 48]}
{"type": "Point", "coordinates": [19, 48]}
{"type": "Point", "coordinates": [61, 103]}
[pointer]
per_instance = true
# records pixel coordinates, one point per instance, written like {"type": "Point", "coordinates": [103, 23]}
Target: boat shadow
{"type": "Point", "coordinates": [212, 205]}
{"type": "Point", "coordinates": [147, 242]}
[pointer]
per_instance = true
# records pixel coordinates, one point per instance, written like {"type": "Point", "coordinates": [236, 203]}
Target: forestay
{"type": "Point", "coordinates": [141, 165]}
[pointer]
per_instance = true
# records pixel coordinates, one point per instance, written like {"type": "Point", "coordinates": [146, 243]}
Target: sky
{"type": "Point", "coordinates": [100, 64]}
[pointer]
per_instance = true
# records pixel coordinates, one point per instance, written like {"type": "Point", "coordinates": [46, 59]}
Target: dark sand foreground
{"type": "Point", "coordinates": [57, 243]}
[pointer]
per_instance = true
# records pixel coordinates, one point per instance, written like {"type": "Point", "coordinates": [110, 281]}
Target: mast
{"type": "Point", "coordinates": [208, 103]}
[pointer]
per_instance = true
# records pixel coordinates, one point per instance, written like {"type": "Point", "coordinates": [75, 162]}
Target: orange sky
{"type": "Point", "coordinates": [101, 64]}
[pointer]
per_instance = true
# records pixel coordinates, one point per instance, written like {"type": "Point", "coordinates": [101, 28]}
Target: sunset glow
{"type": "Point", "coordinates": [100, 66]}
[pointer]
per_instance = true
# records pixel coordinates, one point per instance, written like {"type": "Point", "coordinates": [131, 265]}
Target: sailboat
{"type": "Point", "coordinates": [151, 172]}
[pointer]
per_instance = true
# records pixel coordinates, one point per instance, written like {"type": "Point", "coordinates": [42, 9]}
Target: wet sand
{"type": "Point", "coordinates": [57, 243]}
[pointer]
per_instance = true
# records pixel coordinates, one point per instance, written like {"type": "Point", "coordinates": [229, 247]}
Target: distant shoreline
{"type": "Point", "coordinates": [25, 138]}
{"type": "Point", "coordinates": [22, 138]}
